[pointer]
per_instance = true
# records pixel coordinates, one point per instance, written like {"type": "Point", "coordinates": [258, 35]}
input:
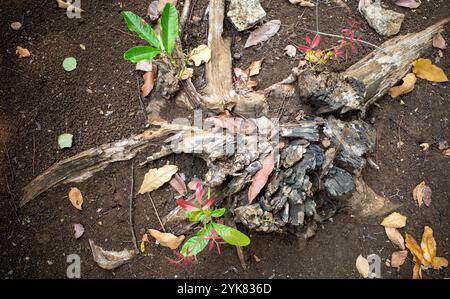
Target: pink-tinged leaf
{"type": "Point", "coordinates": [261, 177]}
{"type": "Point", "coordinates": [187, 205]}
{"type": "Point", "coordinates": [315, 42]}
{"type": "Point", "coordinates": [209, 202]}
{"type": "Point", "coordinates": [303, 48]}
{"type": "Point", "coordinates": [426, 196]}
{"type": "Point", "coordinates": [178, 184]}
{"type": "Point", "coordinates": [308, 40]}
{"type": "Point", "coordinates": [263, 33]}
{"type": "Point", "coordinates": [408, 3]}
{"type": "Point", "coordinates": [199, 192]}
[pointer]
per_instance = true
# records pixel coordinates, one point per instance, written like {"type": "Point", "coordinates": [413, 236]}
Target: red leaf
{"type": "Point", "coordinates": [303, 48]}
{"type": "Point", "coordinates": [199, 192]}
{"type": "Point", "coordinates": [209, 202]}
{"type": "Point", "coordinates": [315, 42]}
{"type": "Point", "coordinates": [308, 39]}
{"type": "Point", "coordinates": [187, 205]}
{"type": "Point", "coordinates": [261, 177]}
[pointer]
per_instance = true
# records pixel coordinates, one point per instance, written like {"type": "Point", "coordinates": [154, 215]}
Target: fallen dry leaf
{"type": "Point", "coordinates": [68, 6]}
{"type": "Point", "coordinates": [162, 3]}
{"type": "Point", "coordinates": [79, 230]}
{"type": "Point", "coordinates": [428, 244]}
{"type": "Point", "coordinates": [424, 146]}
{"type": "Point", "coordinates": [417, 271]}
{"type": "Point", "coordinates": [263, 33]}
{"type": "Point", "coordinates": [22, 52]}
{"type": "Point", "coordinates": [156, 177]}
{"type": "Point", "coordinates": [424, 69]}
{"type": "Point", "coordinates": [192, 185]}
{"type": "Point", "coordinates": [186, 73]}
{"type": "Point", "coordinates": [447, 152]}
{"type": "Point", "coordinates": [167, 239]}
{"type": "Point", "coordinates": [261, 177]}
{"type": "Point", "coordinates": [407, 86]}
{"type": "Point", "coordinates": [76, 198]}
{"type": "Point", "coordinates": [440, 262]}
{"type": "Point", "coordinates": [398, 258]}
{"type": "Point", "coordinates": [16, 25]}
{"type": "Point", "coordinates": [243, 80]}
{"type": "Point", "coordinates": [149, 81]}
{"type": "Point", "coordinates": [394, 220]}
{"type": "Point", "coordinates": [110, 259]}
{"type": "Point", "coordinates": [439, 42]}
{"type": "Point", "coordinates": [254, 67]}
{"type": "Point", "coordinates": [422, 194]}
{"type": "Point", "coordinates": [178, 184]}
{"type": "Point", "coordinates": [200, 54]}
{"type": "Point", "coordinates": [415, 249]}
{"type": "Point", "coordinates": [362, 265]}
{"type": "Point", "coordinates": [395, 237]}
{"type": "Point", "coordinates": [143, 241]}
{"type": "Point", "coordinates": [290, 51]}
{"type": "Point", "coordinates": [305, 3]}
{"type": "Point", "coordinates": [408, 3]}
{"type": "Point", "coordinates": [152, 11]}
{"type": "Point", "coordinates": [145, 65]}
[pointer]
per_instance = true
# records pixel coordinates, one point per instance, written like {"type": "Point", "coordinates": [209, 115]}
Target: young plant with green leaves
{"type": "Point", "coordinates": [212, 232]}
{"type": "Point", "coordinates": [165, 44]}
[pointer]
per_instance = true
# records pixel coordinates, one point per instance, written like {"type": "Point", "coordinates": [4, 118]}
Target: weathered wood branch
{"type": "Point", "coordinates": [371, 77]}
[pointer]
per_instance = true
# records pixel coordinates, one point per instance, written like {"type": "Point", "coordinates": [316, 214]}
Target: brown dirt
{"type": "Point", "coordinates": [39, 101]}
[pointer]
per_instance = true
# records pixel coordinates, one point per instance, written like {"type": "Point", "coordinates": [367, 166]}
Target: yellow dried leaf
{"type": "Point", "coordinates": [167, 239]}
{"type": "Point", "coordinates": [22, 52]}
{"type": "Point", "coordinates": [428, 244]}
{"type": "Point", "coordinates": [398, 258]}
{"type": "Point", "coordinates": [186, 73]}
{"type": "Point", "coordinates": [424, 69]}
{"type": "Point", "coordinates": [363, 266]}
{"type": "Point", "coordinates": [395, 220]}
{"type": "Point", "coordinates": [415, 250]}
{"type": "Point", "coordinates": [439, 262]}
{"type": "Point", "coordinates": [254, 68]}
{"type": "Point", "coordinates": [76, 198]}
{"type": "Point", "coordinates": [417, 271]}
{"type": "Point", "coordinates": [200, 54]}
{"type": "Point", "coordinates": [395, 236]}
{"type": "Point", "coordinates": [446, 152]}
{"type": "Point", "coordinates": [424, 146]}
{"type": "Point", "coordinates": [408, 85]}
{"type": "Point", "coordinates": [156, 177]}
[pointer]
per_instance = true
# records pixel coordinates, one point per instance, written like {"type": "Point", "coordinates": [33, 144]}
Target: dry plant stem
{"type": "Point", "coordinates": [130, 215]}
{"type": "Point", "coordinates": [156, 212]}
{"type": "Point", "coordinates": [184, 16]}
{"type": "Point", "coordinates": [341, 36]}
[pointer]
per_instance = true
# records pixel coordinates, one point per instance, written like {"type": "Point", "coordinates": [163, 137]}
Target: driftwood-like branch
{"type": "Point", "coordinates": [371, 77]}
{"type": "Point", "coordinates": [83, 165]}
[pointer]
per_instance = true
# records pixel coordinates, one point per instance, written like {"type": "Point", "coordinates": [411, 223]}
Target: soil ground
{"type": "Point", "coordinates": [98, 103]}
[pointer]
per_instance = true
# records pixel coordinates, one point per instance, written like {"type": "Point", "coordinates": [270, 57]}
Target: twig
{"type": "Point", "coordinates": [34, 153]}
{"type": "Point", "coordinates": [130, 212]}
{"type": "Point", "coordinates": [141, 103]}
{"type": "Point", "coordinates": [11, 200]}
{"type": "Point", "coordinates": [121, 31]}
{"type": "Point", "coordinates": [317, 17]}
{"type": "Point", "coordinates": [341, 36]}
{"type": "Point", "coordinates": [185, 16]}
{"type": "Point", "coordinates": [156, 212]}
{"type": "Point", "coordinates": [9, 160]}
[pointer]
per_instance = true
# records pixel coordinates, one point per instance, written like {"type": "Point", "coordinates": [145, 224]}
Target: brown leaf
{"type": "Point", "coordinates": [22, 52]}
{"type": "Point", "coordinates": [439, 42]}
{"type": "Point", "coordinates": [424, 69]}
{"type": "Point", "coordinates": [76, 198]}
{"type": "Point", "coordinates": [79, 230]}
{"type": "Point", "coordinates": [200, 54]}
{"type": "Point", "coordinates": [408, 3]}
{"type": "Point", "coordinates": [424, 146]}
{"type": "Point", "coordinates": [156, 177]}
{"type": "Point", "coordinates": [178, 184]}
{"type": "Point", "coordinates": [422, 194]}
{"type": "Point", "coordinates": [428, 244]}
{"type": "Point", "coordinates": [149, 81]}
{"type": "Point", "coordinates": [440, 262]}
{"type": "Point", "coordinates": [447, 152]}
{"type": "Point", "coordinates": [110, 259]}
{"type": "Point", "coordinates": [163, 3]}
{"type": "Point", "coordinates": [254, 67]}
{"type": "Point", "coordinates": [263, 33]}
{"type": "Point", "coordinates": [192, 185]}
{"type": "Point", "coordinates": [408, 85]}
{"type": "Point", "coordinates": [261, 177]}
{"type": "Point", "coordinates": [362, 265]}
{"type": "Point", "coordinates": [398, 258]}
{"type": "Point", "coordinates": [167, 239]}
{"type": "Point", "coordinates": [152, 11]}
{"type": "Point", "coordinates": [395, 220]}
{"type": "Point", "coordinates": [395, 236]}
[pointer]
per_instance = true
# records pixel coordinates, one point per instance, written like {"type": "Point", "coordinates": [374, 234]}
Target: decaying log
{"type": "Point", "coordinates": [83, 165]}
{"type": "Point", "coordinates": [371, 77]}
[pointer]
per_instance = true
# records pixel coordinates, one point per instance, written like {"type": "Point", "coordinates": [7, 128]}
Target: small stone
{"type": "Point", "coordinates": [16, 25]}
{"type": "Point", "coordinates": [237, 55]}
{"type": "Point", "coordinates": [385, 22]}
{"type": "Point", "coordinates": [196, 20]}
{"type": "Point", "coordinates": [244, 14]}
